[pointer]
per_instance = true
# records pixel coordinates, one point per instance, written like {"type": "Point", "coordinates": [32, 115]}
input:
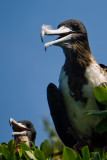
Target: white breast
{"type": "Point", "coordinates": [80, 121]}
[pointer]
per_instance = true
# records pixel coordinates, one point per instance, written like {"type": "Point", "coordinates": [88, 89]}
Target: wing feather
{"type": "Point", "coordinates": [59, 115]}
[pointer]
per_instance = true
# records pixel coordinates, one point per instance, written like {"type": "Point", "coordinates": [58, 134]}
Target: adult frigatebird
{"type": "Point", "coordinates": [23, 131]}
{"type": "Point", "coordinates": [74, 97]}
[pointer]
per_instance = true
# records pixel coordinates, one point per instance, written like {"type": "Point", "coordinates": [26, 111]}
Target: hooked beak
{"type": "Point", "coordinates": [19, 128]}
{"type": "Point", "coordinates": [64, 32]}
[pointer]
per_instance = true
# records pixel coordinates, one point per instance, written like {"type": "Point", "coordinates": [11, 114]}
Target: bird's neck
{"type": "Point", "coordinates": [78, 57]}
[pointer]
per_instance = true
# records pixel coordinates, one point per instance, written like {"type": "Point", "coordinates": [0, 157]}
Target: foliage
{"type": "Point", "coordinates": [53, 137]}
{"type": "Point", "coordinates": [53, 149]}
{"type": "Point", "coordinates": [100, 93]}
{"type": "Point", "coordinates": [22, 152]}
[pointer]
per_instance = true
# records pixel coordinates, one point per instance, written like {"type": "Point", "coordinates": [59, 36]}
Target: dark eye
{"type": "Point", "coordinates": [75, 26]}
{"type": "Point", "coordinates": [28, 125]}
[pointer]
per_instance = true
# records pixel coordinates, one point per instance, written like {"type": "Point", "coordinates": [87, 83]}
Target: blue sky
{"type": "Point", "coordinates": [25, 68]}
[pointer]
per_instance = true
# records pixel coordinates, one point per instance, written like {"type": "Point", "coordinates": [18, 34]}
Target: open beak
{"type": "Point", "coordinates": [64, 32]}
{"type": "Point", "coordinates": [19, 128]}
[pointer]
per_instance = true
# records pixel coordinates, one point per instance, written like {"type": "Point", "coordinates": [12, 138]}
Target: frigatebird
{"type": "Point", "coordinates": [23, 131]}
{"type": "Point", "coordinates": [74, 97]}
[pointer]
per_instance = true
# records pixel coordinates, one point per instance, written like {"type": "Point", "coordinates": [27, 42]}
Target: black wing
{"type": "Point", "coordinates": [59, 115]}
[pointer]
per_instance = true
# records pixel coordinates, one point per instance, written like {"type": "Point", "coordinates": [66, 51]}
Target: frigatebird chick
{"type": "Point", "coordinates": [23, 131]}
{"type": "Point", "coordinates": [74, 97]}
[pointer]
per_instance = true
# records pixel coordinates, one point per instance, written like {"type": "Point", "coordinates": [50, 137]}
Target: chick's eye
{"type": "Point", "coordinates": [75, 26]}
{"type": "Point", "coordinates": [28, 125]}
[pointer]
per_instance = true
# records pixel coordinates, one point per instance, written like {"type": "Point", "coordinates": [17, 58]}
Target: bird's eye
{"type": "Point", "coordinates": [75, 26]}
{"type": "Point", "coordinates": [28, 125]}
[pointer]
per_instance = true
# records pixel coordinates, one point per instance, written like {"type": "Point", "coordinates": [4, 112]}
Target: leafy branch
{"type": "Point", "coordinates": [22, 152]}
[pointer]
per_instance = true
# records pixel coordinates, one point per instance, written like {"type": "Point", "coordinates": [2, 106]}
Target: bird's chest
{"type": "Point", "coordinates": [76, 109]}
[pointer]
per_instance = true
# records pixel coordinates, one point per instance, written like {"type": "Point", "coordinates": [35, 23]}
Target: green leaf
{"type": "Point", "coordinates": [1, 156]}
{"type": "Point", "coordinates": [32, 145]}
{"type": "Point", "coordinates": [101, 94]}
{"type": "Point", "coordinates": [39, 154]}
{"type": "Point", "coordinates": [78, 156]}
{"type": "Point", "coordinates": [30, 155]}
{"type": "Point", "coordinates": [101, 154]}
{"type": "Point", "coordinates": [47, 148]}
{"type": "Point", "coordinates": [101, 126]}
{"type": "Point", "coordinates": [4, 150]}
{"type": "Point", "coordinates": [24, 146]}
{"type": "Point", "coordinates": [105, 156]}
{"type": "Point", "coordinates": [11, 156]}
{"type": "Point", "coordinates": [20, 152]}
{"type": "Point", "coordinates": [95, 155]}
{"type": "Point", "coordinates": [25, 156]}
{"type": "Point", "coordinates": [85, 153]}
{"type": "Point", "coordinates": [69, 154]}
{"type": "Point", "coordinates": [97, 113]}
{"type": "Point", "coordinates": [11, 145]}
